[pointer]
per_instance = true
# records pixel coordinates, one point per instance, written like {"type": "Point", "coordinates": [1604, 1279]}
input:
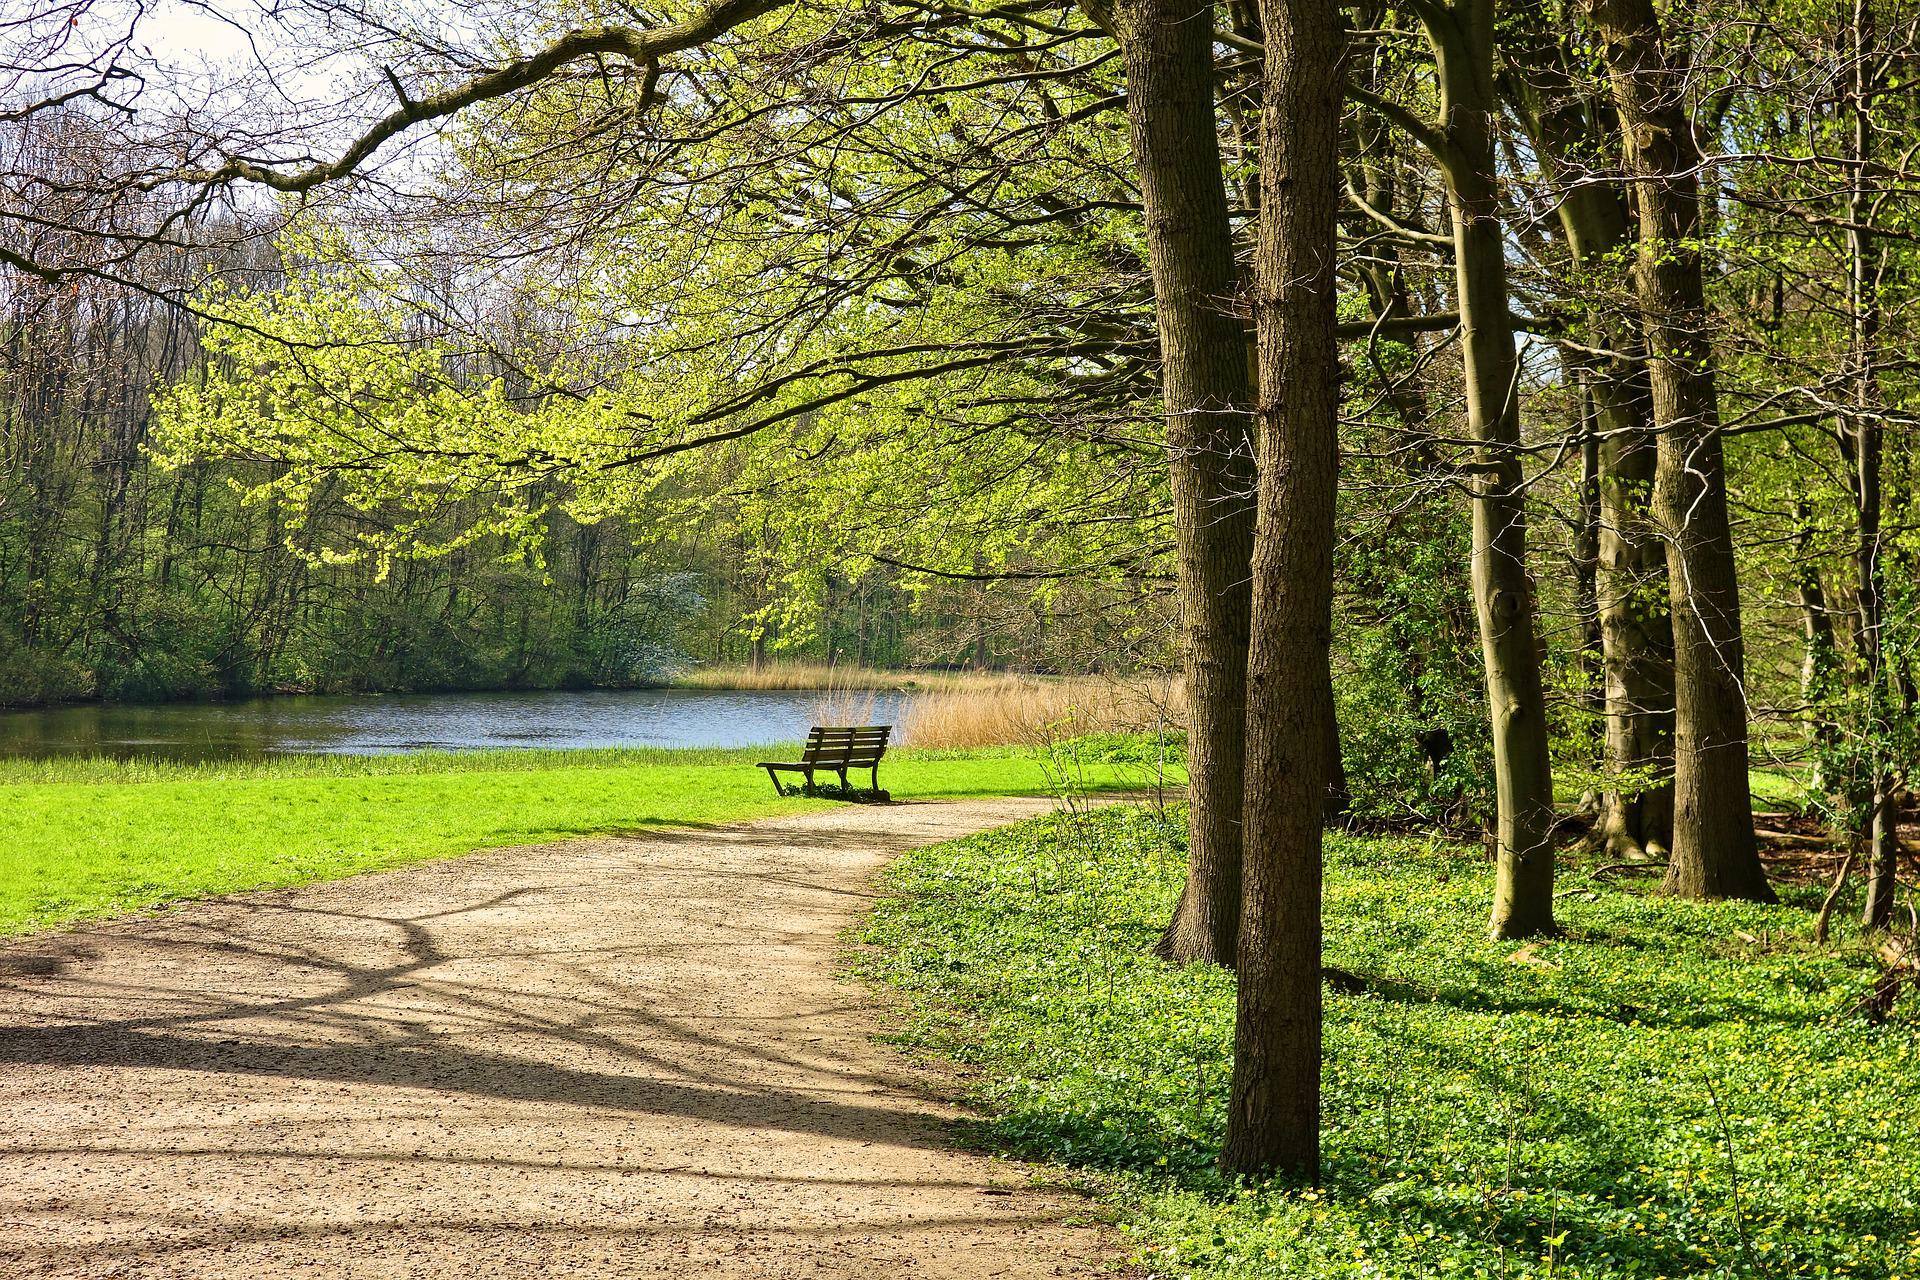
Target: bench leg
{"type": "Point", "coordinates": [774, 778]}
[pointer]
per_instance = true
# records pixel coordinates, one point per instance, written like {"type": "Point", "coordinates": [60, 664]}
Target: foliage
{"type": "Point", "coordinates": [1412, 707]}
{"type": "Point", "coordinates": [126, 580]}
{"type": "Point", "coordinates": [1670, 1089]}
{"type": "Point", "coordinates": [875, 365]}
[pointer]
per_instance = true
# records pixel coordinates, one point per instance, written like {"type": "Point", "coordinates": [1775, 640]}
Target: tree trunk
{"type": "Point", "coordinates": [1462, 39]}
{"type": "Point", "coordinates": [1168, 47]}
{"type": "Point", "coordinates": [1714, 854]}
{"type": "Point", "coordinates": [1273, 1117]}
{"type": "Point", "coordinates": [1337, 797]}
{"type": "Point", "coordinates": [1879, 831]}
{"type": "Point", "coordinates": [1816, 623]}
{"type": "Point", "coordinates": [1586, 580]}
{"type": "Point", "coordinates": [1636, 632]}
{"type": "Point", "coordinates": [1636, 627]}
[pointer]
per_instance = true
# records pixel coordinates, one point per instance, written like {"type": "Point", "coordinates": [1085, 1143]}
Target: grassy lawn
{"type": "Point", "coordinates": [90, 838]}
{"type": "Point", "coordinates": [1671, 1089]}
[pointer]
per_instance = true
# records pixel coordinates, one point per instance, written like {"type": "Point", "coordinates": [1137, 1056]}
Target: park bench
{"type": "Point", "coordinates": [836, 750]}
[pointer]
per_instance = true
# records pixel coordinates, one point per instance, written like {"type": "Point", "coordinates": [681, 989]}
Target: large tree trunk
{"type": "Point", "coordinates": [1879, 833]}
{"type": "Point", "coordinates": [1636, 821]}
{"type": "Point", "coordinates": [1376, 151]}
{"type": "Point", "coordinates": [1462, 39]}
{"type": "Point", "coordinates": [1273, 1118]}
{"type": "Point", "coordinates": [1586, 582]}
{"type": "Point", "coordinates": [1336, 800]}
{"type": "Point", "coordinates": [1636, 627]}
{"type": "Point", "coordinates": [1714, 854]}
{"type": "Point", "coordinates": [1168, 47]}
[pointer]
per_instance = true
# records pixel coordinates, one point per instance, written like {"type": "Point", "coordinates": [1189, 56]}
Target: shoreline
{"type": "Point", "coordinates": [774, 678]}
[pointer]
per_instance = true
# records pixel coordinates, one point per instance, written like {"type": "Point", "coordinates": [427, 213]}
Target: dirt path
{"type": "Point", "coordinates": [624, 1057]}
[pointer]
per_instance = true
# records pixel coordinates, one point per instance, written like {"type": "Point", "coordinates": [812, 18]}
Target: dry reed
{"type": "Point", "coordinates": [832, 679]}
{"type": "Point", "coordinates": [1038, 710]}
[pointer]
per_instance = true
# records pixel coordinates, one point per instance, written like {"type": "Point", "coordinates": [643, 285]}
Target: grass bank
{"type": "Point", "coordinates": [1672, 1089]}
{"type": "Point", "coordinates": [85, 838]}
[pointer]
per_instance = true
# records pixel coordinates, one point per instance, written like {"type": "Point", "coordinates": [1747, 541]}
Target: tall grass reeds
{"type": "Point", "coordinates": [820, 676]}
{"type": "Point", "coordinates": [1039, 710]}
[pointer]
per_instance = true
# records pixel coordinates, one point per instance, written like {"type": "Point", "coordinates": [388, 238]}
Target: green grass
{"type": "Point", "coordinates": [1595, 1106]}
{"type": "Point", "coordinates": [86, 838]}
{"type": "Point", "coordinates": [1774, 786]}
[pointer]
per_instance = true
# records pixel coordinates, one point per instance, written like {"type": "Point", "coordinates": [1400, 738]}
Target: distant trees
{"type": "Point", "coordinates": [125, 579]}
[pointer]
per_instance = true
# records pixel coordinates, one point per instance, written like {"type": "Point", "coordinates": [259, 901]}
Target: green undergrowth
{"type": "Point", "coordinates": [88, 838]}
{"type": "Point", "coordinates": [1669, 1089]}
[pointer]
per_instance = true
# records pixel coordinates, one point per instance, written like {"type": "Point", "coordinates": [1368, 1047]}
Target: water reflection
{"type": "Point", "coordinates": [414, 722]}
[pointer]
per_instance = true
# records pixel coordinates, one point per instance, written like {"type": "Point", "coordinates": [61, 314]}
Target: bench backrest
{"type": "Point", "coordinates": [860, 745]}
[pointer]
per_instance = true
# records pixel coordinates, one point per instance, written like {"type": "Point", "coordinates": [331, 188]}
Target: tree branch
{"type": "Point", "coordinates": [1421, 130]}
{"type": "Point", "coordinates": [643, 48]}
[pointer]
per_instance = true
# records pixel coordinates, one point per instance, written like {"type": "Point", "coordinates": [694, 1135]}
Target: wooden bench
{"type": "Point", "coordinates": [836, 750]}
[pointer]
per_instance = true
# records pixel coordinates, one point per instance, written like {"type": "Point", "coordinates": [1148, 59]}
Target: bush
{"type": "Point", "coordinates": [29, 679]}
{"type": "Point", "coordinates": [1423, 758]}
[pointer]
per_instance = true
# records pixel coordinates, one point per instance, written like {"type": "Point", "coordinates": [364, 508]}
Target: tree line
{"type": "Point", "coordinates": [127, 579]}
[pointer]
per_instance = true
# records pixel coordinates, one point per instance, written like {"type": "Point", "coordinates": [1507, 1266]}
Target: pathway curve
{"type": "Point", "coordinates": [613, 1057]}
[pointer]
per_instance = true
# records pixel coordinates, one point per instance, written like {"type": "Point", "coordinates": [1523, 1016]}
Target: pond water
{"type": "Point", "coordinates": [420, 722]}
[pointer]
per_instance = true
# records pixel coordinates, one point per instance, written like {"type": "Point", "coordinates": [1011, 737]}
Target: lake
{"type": "Point", "coordinates": [377, 724]}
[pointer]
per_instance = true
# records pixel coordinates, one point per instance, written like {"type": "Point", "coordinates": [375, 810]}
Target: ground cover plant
{"type": "Point", "coordinates": [86, 838]}
{"type": "Point", "coordinates": [1669, 1089]}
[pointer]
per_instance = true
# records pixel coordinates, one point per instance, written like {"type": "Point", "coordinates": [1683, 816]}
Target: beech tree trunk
{"type": "Point", "coordinates": [1168, 50]}
{"type": "Point", "coordinates": [1585, 551]}
{"type": "Point", "coordinates": [1273, 1116]}
{"type": "Point", "coordinates": [1879, 830]}
{"type": "Point", "coordinates": [1714, 853]}
{"type": "Point", "coordinates": [1636, 631]}
{"type": "Point", "coordinates": [1462, 39]}
{"type": "Point", "coordinates": [1636, 627]}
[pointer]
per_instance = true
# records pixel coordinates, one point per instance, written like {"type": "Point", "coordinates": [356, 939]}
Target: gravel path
{"type": "Point", "coordinates": [618, 1057]}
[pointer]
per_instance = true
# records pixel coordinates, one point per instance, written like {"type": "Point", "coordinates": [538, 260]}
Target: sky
{"type": "Point", "coordinates": [188, 33]}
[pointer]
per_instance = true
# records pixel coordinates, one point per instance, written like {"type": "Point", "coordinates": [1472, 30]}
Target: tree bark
{"type": "Point", "coordinates": [1273, 1116]}
{"type": "Point", "coordinates": [1462, 38]}
{"type": "Point", "coordinates": [1714, 853]}
{"type": "Point", "coordinates": [1168, 50]}
{"type": "Point", "coordinates": [1816, 621]}
{"type": "Point", "coordinates": [1586, 578]}
{"type": "Point", "coordinates": [1879, 830]}
{"type": "Point", "coordinates": [1636, 626]}
{"type": "Point", "coordinates": [1636, 630]}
